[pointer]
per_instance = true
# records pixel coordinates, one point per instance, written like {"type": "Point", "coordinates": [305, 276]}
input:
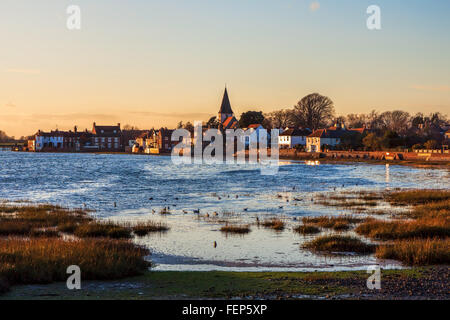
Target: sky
{"type": "Point", "coordinates": [152, 63]}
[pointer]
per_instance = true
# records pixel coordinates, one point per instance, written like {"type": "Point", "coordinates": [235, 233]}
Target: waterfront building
{"type": "Point", "coordinates": [291, 138]}
{"type": "Point", "coordinates": [330, 137]}
{"type": "Point", "coordinates": [106, 138]}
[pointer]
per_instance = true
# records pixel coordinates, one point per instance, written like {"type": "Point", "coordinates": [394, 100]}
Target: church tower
{"type": "Point", "coordinates": [225, 109]}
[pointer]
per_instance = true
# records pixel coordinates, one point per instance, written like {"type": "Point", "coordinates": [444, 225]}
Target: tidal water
{"type": "Point", "coordinates": [136, 187]}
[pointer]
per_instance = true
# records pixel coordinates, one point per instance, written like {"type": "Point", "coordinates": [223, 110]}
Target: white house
{"type": "Point", "coordinates": [330, 137]}
{"type": "Point", "coordinates": [54, 139]}
{"type": "Point", "coordinates": [253, 132]}
{"type": "Point", "coordinates": [293, 137]}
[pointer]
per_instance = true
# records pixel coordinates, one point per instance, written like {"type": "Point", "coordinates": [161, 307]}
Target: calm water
{"type": "Point", "coordinates": [140, 185]}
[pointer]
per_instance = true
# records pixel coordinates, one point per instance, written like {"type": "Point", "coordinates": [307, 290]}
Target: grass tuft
{"type": "Point", "coordinates": [144, 228]}
{"type": "Point", "coordinates": [397, 230]}
{"type": "Point", "coordinates": [307, 229]}
{"type": "Point", "coordinates": [334, 243]}
{"type": "Point", "coordinates": [417, 251]}
{"type": "Point", "coordinates": [275, 224]}
{"type": "Point", "coordinates": [46, 260]}
{"type": "Point", "coordinates": [102, 229]}
{"type": "Point", "coordinates": [417, 197]}
{"type": "Point", "coordinates": [239, 229]}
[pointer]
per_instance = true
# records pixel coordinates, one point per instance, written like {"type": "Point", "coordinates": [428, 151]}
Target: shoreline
{"type": "Point", "coordinates": [420, 283]}
{"type": "Point", "coordinates": [420, 163]}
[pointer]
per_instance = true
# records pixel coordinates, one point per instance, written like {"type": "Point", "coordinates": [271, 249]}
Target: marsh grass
{"type": "Point", "coordinates": [307, 229]}
{"type": "Point", "coordinates": [417, 251]}
{"type": "Point", "coordinates": [24, 220]}
{"type": "Point", "coordinates": [340, 223]}
{"type": "Point", "coordinates": [15, 228]}
{"type": "Point", "coordinates": [31, 250]}
{"type": "Point", "coordinates": [237, 229]}
{"type": "Point", "coordinates": [102, 230]}
{"type": "Point", "coordinates": [46, 260]}
{"type": "Point", "coordinates": [417, 197]}
{"type": "Point", "coordinates": [397, 229]}
{"type": "Point", "coordinates": [335, 243]}
{"type": "Point", "coordinates": [430, 210]}
{"type": "Point", "coordinates": [354, 201]}
{"type": "Point", "coordinates": [144, 228]}
{"type": "Point", "coordinates": [275, 224]}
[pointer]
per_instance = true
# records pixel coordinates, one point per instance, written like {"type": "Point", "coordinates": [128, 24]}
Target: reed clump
{"type": "Point", "coordinates": [144, 228]}
{"type": "Point", "coordinates": [24, 261]}
{"type": "Point", "coordinates": [417, 197]}
{"type": "Point", "coordinates": [417, 251]}
{"type": "Point", "coordinates": [29, 220]}
{"type": "Point", "coordinates": [307, 229]}
{"type": "Point", "coordinates": [32, 251]}
{"type": "Point", "coordinates": [336, 243]}
{"type": "Point", "coordinates": [275, 224]}
{"type": "Point", "coordinates": [238, 229]}
{"type": "Point", "coordinates": [398, 230]}
{"type": "Point", "coordinates": [338, 223]}
{"type": "Point", "coordinates": [102, 230]}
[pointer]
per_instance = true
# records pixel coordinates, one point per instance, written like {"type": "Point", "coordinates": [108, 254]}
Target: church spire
{"type": "Point", "coordinates": [225, 108]}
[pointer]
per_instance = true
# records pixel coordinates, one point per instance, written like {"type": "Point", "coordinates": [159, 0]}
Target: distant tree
{"type": "Point", "coordinates": [212, 123]}
{"type": "Point", "coordinates": [417, 146]}
{"type": "Point", "coordinates": [437, 119]}
{"type": "Point", "coordinates": [374, 121]}
{"type": "Point", "coordinates": [251, 117]}
{"type": "Point", "coordinates": [391, 139]}
{"type": "Point", "coordinates": [4, 137]}
{"type": "Point", "coordinates": [431, 144]}
{"type": "Point", "coordinates": [280, 118]}
{"type": "Point", "coordinates": [189, 127]}
{"type": "Point", "coordinates": [356, 120]}
{"type": "Point", "coordinates": [313, 111]}
{"type": "Point", "coordinates": [397, 121]}
{"type": "Point", "coordinates": [372, 142]}
{"type": "Point", "coordinates": [180, 125]}
{"type": "Point", "coordinates": [340, 120]}
{"type": "Point", "coordinates": [417, 120]}
{"type": "Point", "coordinates": [128, 127]}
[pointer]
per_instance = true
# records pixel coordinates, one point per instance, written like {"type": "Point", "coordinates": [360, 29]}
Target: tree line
{"type": "Point", "coordinates": [385, 130]}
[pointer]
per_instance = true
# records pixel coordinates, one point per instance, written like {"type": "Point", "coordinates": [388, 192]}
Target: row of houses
{"type": "Point", "coordinates": [100, 139]}
{"type": "Point", "coordinates": [319, 139]}
{"type": "Point", "coordinates": [154, 142]}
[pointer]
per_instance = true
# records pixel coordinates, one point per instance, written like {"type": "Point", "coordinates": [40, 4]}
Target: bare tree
{"type": "Point", "coordinates": [357, 120]}
{"type": "Point", "coordinates": [397, 121]}
{"type": "Point", "coordinates": [280, 118]}
{"type": "Point", "coordinates": [128, 127]}
{"type": "Point", "coordinates": [314, 111]}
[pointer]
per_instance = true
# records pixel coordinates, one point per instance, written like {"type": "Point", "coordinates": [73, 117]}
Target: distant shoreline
{"type": "Point", "coordinates": [321, 157]}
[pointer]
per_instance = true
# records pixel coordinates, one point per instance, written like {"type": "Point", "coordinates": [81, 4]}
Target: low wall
{"type": "Point", "coordinates": [368, 155]}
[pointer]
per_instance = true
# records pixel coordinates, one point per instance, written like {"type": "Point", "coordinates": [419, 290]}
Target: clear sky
{"type": "Point", "coordinates": [156, 62]}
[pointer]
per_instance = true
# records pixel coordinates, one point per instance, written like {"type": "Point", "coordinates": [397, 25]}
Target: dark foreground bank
{"type": "Point", "coordinates": [417, 283]}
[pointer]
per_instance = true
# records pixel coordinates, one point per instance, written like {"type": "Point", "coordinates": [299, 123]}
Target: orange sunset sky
{"type": "Point", "coordinates": [154, 63]}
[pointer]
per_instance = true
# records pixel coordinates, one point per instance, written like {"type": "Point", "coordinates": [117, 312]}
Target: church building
{"type": "Point", "coordinates": [226, 116]}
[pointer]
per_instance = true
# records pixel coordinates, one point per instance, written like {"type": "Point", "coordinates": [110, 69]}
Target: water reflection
{"type": "Point", "coordinates": [388, 176]}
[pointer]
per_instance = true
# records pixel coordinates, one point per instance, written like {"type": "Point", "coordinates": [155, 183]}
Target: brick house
{"type": "Point", "coordinates": [107, 138]}
{"type": "Point", "coordinates": [330, 137]}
